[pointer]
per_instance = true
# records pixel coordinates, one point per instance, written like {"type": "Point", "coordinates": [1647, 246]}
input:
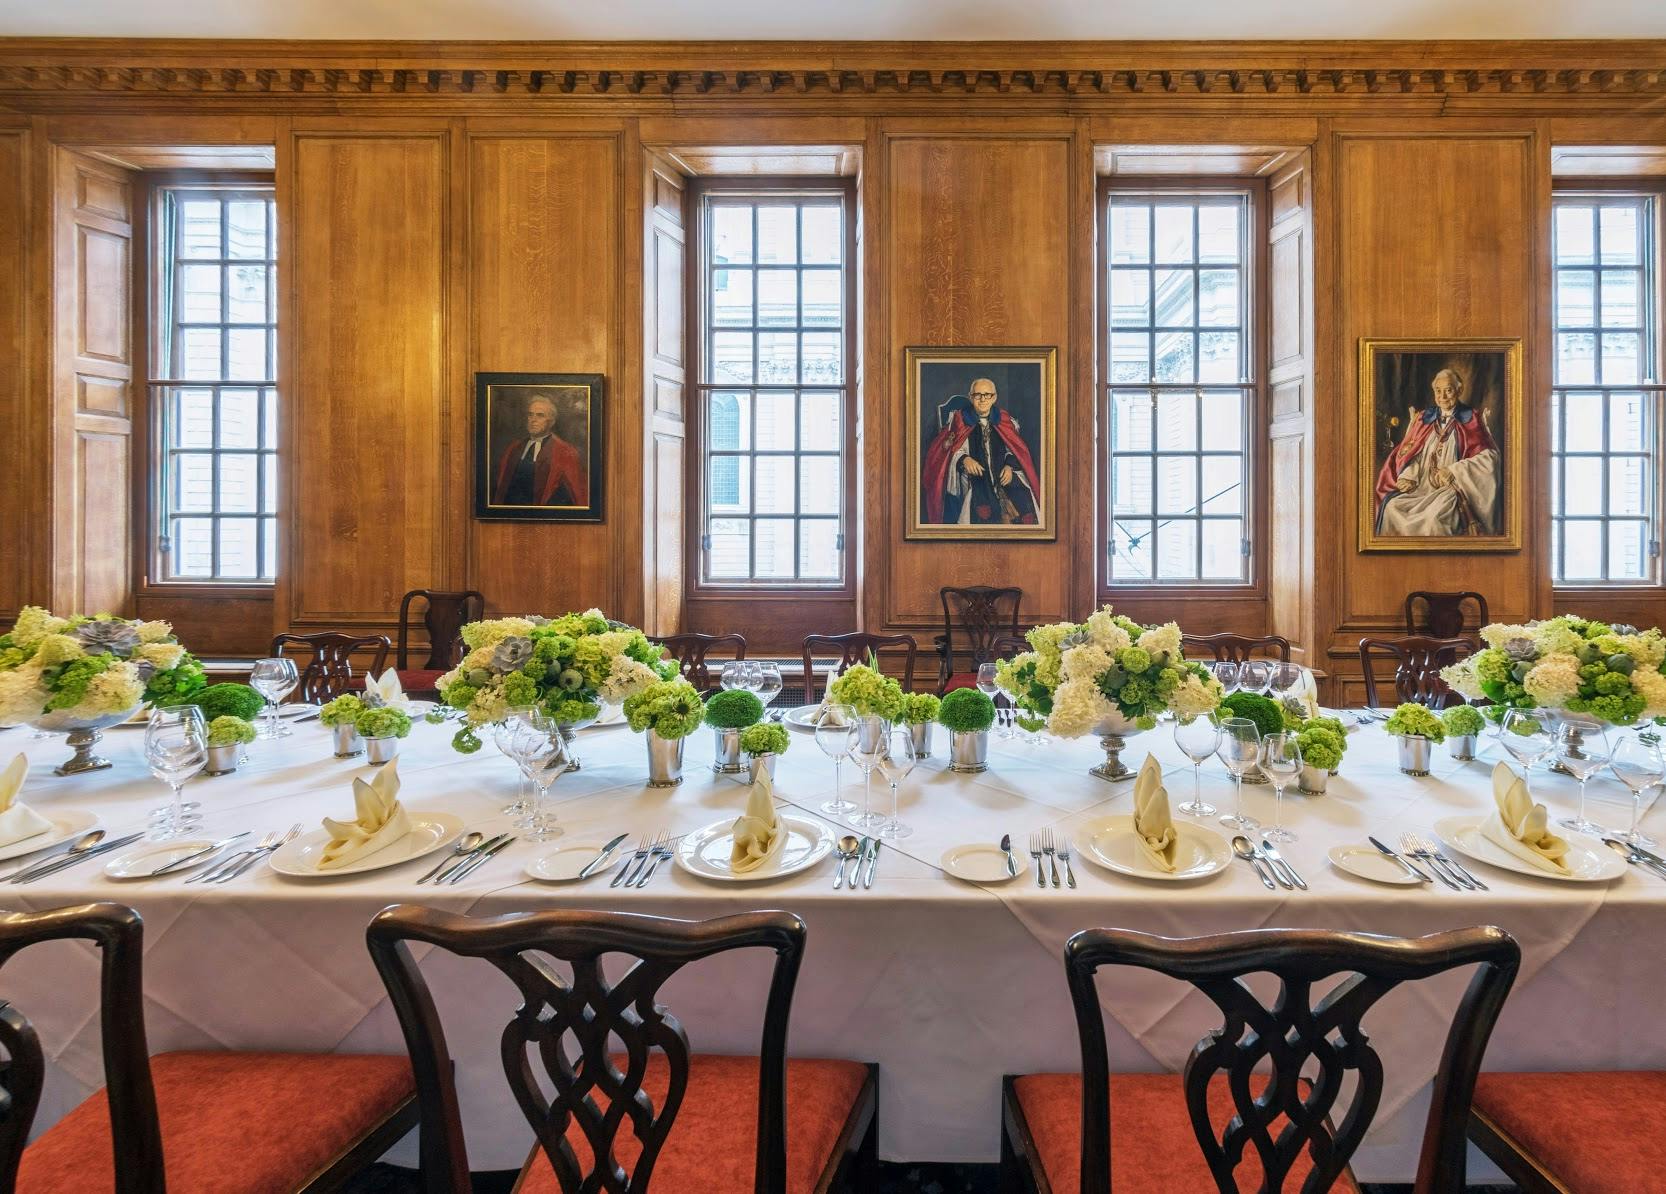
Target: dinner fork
{"type": "Point", "coordinates": [1413, 845]}
{"type": "Point", "coordinates": [1064, 857]}
{"type": "Point", "coordinates": [664, 849]}
{"type": "Point", "coordinates": [232, 859]}
{"type": "Point", "coordinates": [294, 831]}
{"type": "Point", "coordinates": [634, 859]}
{"type": "Point", "coordinates": [1035, 853]}
{"type": "Point", "coordinates": [1047, 849]}
{"type": "Point", "coordinates": [1457, 868]}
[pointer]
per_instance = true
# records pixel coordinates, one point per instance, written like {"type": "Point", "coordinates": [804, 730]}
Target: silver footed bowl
{"type": "Point", "coordinates": [61, 721]}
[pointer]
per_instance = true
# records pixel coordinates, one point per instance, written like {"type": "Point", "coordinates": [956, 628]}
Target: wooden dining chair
{"type": "Point", "coordinates": [1240, 1116]}
{"type": "Point", "coordinates": [188, 1121]}
{"type": "Point", "coordinates": [690, 650]}
{"type": "Point", "coordinates": [696, 1121]}
{"type": "Point", "coordinates": [1234, 648]}
{"type": "Point", "coordinates": [328, 671]}
{"type": "Point", "coordinates": [1417, 663]}
{"type": "Point", "coordinates": [444, 614]}
{"type": "Point", "coordinates": [981, 614]}
{"type": "Point", "coordinates": [1442, 614]}
{"type": "Point", "coordinates": [853, 648]}
{"type": "Point", "coordinates": [1595, 1132]}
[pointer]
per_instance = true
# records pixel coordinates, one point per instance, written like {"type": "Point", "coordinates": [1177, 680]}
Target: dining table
{"type": "Point", "coordinates": [946, 984]}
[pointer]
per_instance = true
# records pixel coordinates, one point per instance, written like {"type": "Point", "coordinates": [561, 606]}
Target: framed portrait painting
{"type": "Point", "coordinates": [980, 442]}
{"type": "Point", "coordinates": [1440, 445]}
{"type": "Point", "coordinates": [539, 446]}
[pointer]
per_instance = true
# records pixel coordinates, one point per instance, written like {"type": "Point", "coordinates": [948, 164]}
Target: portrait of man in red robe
{"type": "Point", "coordinates": [540, 468]}
{"type": "Point", "coordinates": [978, 471]}
{"type": "Point", "coordinates": [1443, 477]}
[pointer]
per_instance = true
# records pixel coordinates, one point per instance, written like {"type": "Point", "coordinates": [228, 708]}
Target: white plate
{"type": "Point", "coordinates": [705, 852]}
{"type": "Point", "coordinates": [564, 864]}
{"type": "Point", "coordinates": [1588, 861]}
{"type": "Point", "coordinates": [291, 712]}
{"type": "Point", "coordinates": [983, 862]}
{"type": "Point", "coordinates": [148, 857]}
{"type": "Point", "coordinates": [1109, 842]}
{"type": "Point", "coordinates": [66, 823]}
{"type": "Point", "coordinates": [420, 709]}
{"type": "Point", "coordinates": [429, 832]}
{"type": "Point", "coordinates": [1368, 863]}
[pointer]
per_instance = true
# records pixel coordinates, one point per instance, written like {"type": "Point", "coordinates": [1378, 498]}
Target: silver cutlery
{"type": "Point", "coordinates": [1035, 853]}
{"type": "Point", "coordinates": [1052, 860]}
{"type": "Point", "coordinates": [847, 847]}
{"type": "Point", "coordinates": [663, 851]}
{"type": "Point", "coordinates": [1455, 868]}
{"type": "Point", "coordinates": [862, 852]}
{"type": "Point", "coordinates": [468, 842]}
{"type": "Point", "coordinates": [1634, 856]}
{"type": "Point", "coordinates": [1410, 845]}
{"type": "Point", "coordinates": [1410, 869]}
{"type": "Point", "coordinates": [603, 856]}
{"type": "Point", "coordinates": [228, 873]}
{"type": "Point", "coordinates": [1649, 854]}
{"type": "Point", "coordinates": [74, 846]}
{"type": "Point", "coordinates": [1278, 872]}
{"type": "Point", "coordinates": [873, 861]}
{"type": "Point", "coordinates": [1278, 863]}
{"type": "Point", "coordinates": [267, 842]}
{"type": "Point", "coordinates": [1242, 848]}
{"type": "Point", "coordinates": [64, 862]}
{"type": "Point", "coordinates": [462, 860]}
{"type": "Point", "coordinates": [196, 856]}
{"type": "Point", "coordinates": [480, 858]}
{"type": "Point", "coordinates": [643, 844]}
{"type": "Point", "coordinates": [1006, 848]}
{"type": "Point", "coordinates": [1064, 857]}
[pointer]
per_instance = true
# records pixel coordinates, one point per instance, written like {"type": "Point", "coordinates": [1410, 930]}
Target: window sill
{"type": "Point", "coordinates": [772, 593]}
{"type": "Point", "coordinates": [192, 588]}
{"type": "Point", "coordinates": [1245, 593]}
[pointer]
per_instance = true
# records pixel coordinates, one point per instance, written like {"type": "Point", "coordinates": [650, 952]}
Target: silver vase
{"type": "Point", "coordinates": [726, 751]}
{"type": "Point", "coordinates": [381, 750]}
{"type": "Point", "coordinates": [1313, 780]}
{"type": "Point", "coordinates": [968, 751]}
{"type": "Point", "coordinates": [919, 735]}
{"type": "Point", "coordinates": [1414, 754]}
{"type": "Point", "coordinates": [760, 765]}
{"type": "Point", "coordinates": [665, 760]}
{"type": "Point", "coordinates": [222, 760]}
{"type": "Point", "coordinates": [348, 744]}
{"type": "Point", "coordinates": [1461, 747]}
{"type": "Point", "coordinates": [870, 734]}
{"type": "Point", "coordinates": [1114, 733]}
{"type": "Point", "coordinates": [83, 736]}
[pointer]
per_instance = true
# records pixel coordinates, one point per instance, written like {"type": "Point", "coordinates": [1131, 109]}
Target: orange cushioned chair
{"type": "Point", "coordinates": [1241, 1117]}
{"type": "Point", "coordinates": [657, 1116]}
{"type": "Point", "coordinates": [187, 1123]}
{"type": "Point", "coordinates": [1595, 1133]}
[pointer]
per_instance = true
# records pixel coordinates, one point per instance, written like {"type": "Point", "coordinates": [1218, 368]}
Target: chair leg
{"type": "Point", "coordinates": [866, 1176]}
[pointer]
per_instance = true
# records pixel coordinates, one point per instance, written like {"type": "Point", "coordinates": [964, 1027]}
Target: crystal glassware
{"type": "Point", "coordinates": [1582, 750]}
{"type": "Point", "coordinates": [1281, 759]}
{"type": "Point", "coordinates": [1285, 679]}
{"type": "Point", "coordinates": [503, 737]}
{"type": "Point", "coordinates": [1638, 764]}
{"type": "Point", "coordinates": [769, 682]}
{"type": "Point", "coordinates": [1198, 738]}
{"type": "Point", "coordinates": [835, 733]}
{"type": "Point", "coordinates": [176, 748]}
{"type": "Point", "coordinates": [1254, 675]}
{"type": "Point", "coordinates": [733, 674]}
{"type": "Point", "coordinates": [1227, 672]}
{"type": "Point", "coordinates": [866, 752]}
{"type": "Point", "coordinates": [274, 679]}
{"type": "Point", "coordinates": [894, 765]}
{"type": "Point", "coordinates": [1526, 734]}
{"type": "Point", "coordinates": [1240, 750]}
{"type": "Point", "coordinates": [538, 742]}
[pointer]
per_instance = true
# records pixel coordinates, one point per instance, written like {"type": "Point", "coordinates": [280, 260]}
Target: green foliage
{"type": "Point", "coordinates": [345, 708]}
{"type": "Point", "coordinates": [229, 700]}
{"type": "Point", "coordinates": [179, 685]}
{"type": "Point", "coordinates": [465, 741]}
{"type": "Point", "coordinates": [867, 690]}
{"type": "Point", "coordinates": [966, 711]}
{"type": "Point", "coordinates": [1264, 712]}
{"type": "Point", "coordinates": [229, 731]}
{"type": "Point", "coordinates": [69, 687]}
{"type": "Point", "coordinates": [765, 738]}
{"type": "Point", "coordinates": [670, 708]}
{"type": "Point", "coordinates": [918, 708]}
{"type": "Point", "coordinates": [1463, 720]}
{"type": "Point", "coordinates": [1413, 720]}
{"type": "Point", "coordinates": [734, 709]}
{"type": "Point", "coordinates": [383, 722]}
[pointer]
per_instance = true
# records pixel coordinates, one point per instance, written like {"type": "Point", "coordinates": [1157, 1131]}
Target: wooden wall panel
{"type": "Point", "coordinates": [1290, 402]}
{"type": "Point", "coordinates": [366, 400]}
{"type": "Point", "coordinates": [23, 530]}
{"type": "Point", "coordinates": [665, 268]}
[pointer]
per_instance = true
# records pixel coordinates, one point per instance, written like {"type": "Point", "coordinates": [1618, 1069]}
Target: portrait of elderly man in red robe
{"type": "Point", "coordinates": [978, 470]}
{"type": "Point", "coordinates": [1443, 477]}
{"type": "Point", "coordinates": [541, 468]}
{"type": "Point", "coordinates": [539, 442]}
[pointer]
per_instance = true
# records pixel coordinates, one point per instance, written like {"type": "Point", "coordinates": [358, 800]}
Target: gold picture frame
{"type": "Point", "coordinates": [951, 495]}
{"type": "Point", "coordinates": [1441, 438]}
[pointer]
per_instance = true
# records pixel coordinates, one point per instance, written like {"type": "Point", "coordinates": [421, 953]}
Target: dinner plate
{"type": "Point", "coordinates": [145, 859]}
{"type": "Point", "coordinates": [420, 709]}
{"type": "Point", "coordinates": [705, 852]}
{"type": "Point", "coordinates": [1109, 842]}
{"type": "Point", "coordinates": [563, 864]}
{"type": "Point", "coordinates": [803, 718]}
{"type": "Point", "coordinates": [983, 862]}
{"type": "Point", "coordinates": [66, 823]}
{"type": "Point", "coordinates": [429, 832]}
{"type": "Point", "coordinates": [1588, 861]}
{"type": "Point", "coordinates": [1368, 863]}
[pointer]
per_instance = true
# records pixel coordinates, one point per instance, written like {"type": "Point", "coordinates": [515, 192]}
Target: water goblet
{"type": "Point", "coordinates": [176, 748]}
{"type": "Point", "coordinates": [1254, 675]}
{"type": "Point", "coordinates": [1526, 734]}
{"type": "Point", "coordinates": [274, 679]}
{"type": "Point", "coordinates": [1198, 738]}
{"type": "Point", "coordinates": [538, 741]}
{"type": "Point", "coordinates": [1639, 765]}
{"type": "Point", "coordinates": [1281, 759]}
{"type": "Point", "coordinates": [1285, 679]}
{"type": "Point", "coordinates": [1582, 750]}
{"type": "Point", "coordinates": [769, 682]}
{"type": "Point", "coordinates": [1240, 750]}
{"type": "Point", "coordinates": [866, 752]}
{"type": "Point", "coordinates": [733, 674]}
{"type": "Point", "coordinates": [751, 675]}
{"type": "Point", "coordinates": [503, 737]}
{"type": "Point", "coordinates": [1228, 673]}
{"type": "Point", "coordinates": [835, 731]}
{"type": "Point", "coordinates": [894, 765]}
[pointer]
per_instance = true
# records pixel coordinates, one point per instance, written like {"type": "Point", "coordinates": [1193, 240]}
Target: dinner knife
{"type": "Point", "coordinates": [602, 858]}
{"type": "Point", "coordinates": [196, 856]}
{"type": "Point", "coordinates": [1006, 848]}
{"type": "Point", "coordinates": [478, 860]}
{"type": "Point", "coordinates": [458, 864]}
{"type": "Point", "coordinates": [1387, 853]}
{"type": "Point", "coordinates": [1648, 854]}
{"type": "Point", "coordinates": [42, 857]}
{"type": "Point", "coordinates": [861, 859]}
{"type": "Point", "coordinates": [64, 863]}
{"type": "Point", "coordinates": [873, 861]}
{"type": "Point", "coordinates": [1277, 859]}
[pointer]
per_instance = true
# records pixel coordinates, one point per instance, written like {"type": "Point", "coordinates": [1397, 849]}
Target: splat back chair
{"type": "Point", "coordinates": [853, 648]}
{"type": "Point", "coordinates": [979, 615]}
{"type": "Point", "coordinates": [1234, 648]}
{"type": "Point", "coordinates": [615, 1120]}
{"type": "Point", "coordinates": [328, 670]}
{"type": "Point", "coordinates": [1417, 663]}
{"type": "Point", "coordinates": [444, 614]}
{"type": "Point", "coordinates": [691, 651]}
{"type": "Point", "coordinates": [1442, 614]}
{"type": "Point", "coordinates": [1225, 1122]}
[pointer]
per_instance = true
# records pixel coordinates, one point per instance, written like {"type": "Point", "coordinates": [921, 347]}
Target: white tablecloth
{"type": "Point", "coordinates": [946, 985]}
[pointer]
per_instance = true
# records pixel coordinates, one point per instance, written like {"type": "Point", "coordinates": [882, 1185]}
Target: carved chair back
{"type": "Point", "coordinates": [979, 615]}
{"type": "Point", "coordinates": [854, 648]}
{"type": "Point", "coordinates": [1291, 1116]}
{"type": "Point", "coordinates": [329, 669]}
{"type": "Point", "coordinates": [567, 1026]}
{"type": "Point", "coordinates": [690, 651]}
{"type": "Point", "coordinates": [1417, 664]}
{"type": "Point", "coordinates": [444, 614]}
{"type": "Point", "coordinates": [1443, 613]}
{"type": "Point", "coordinates": [136, 1134]}
{"type": "Point", "coordinates": [1234, 648]}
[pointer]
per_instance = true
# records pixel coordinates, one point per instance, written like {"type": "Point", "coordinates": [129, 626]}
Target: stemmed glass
{"type": "Point", "coordinates": [835, 732]}
{"type": "Point", "coordinates": [274, 679]}
{"type": "Point", "coordinates": [1281, 759]}
{"type": "Point", "coordinates": [866, 755]}
{"type": "Point", "coordinates": [1254, 675]}
{"type": "Point", "coordinates": [895, 764]}
{"type": "Point", "coordinates": [1228, 673]}
{"type": "Point", "coordinates": [1285, 680]}
{"type": "Point", "coordinates": [503, 736]}
{"type": "Point", "coordinates": [1240, 750]}
{"type": "Point", "coordinates": [1198, 737]}
{"type": "Point", "coordinates": [1638, 765]}
{"type": "Point", "coordinates": [1582, 750]}
{"type": "Point", "coordinates": [991, 689]}
{"type": "Point", "coordinates": [769, 682]}
{"type": "Point", "coordinates": [1528, 739]}
{"type": "Point", "coordinates": [538, 742]}
{"type": "Point", "coordinates": [176, 748]}
{"type": "Point", "coordinates": [733, 674]}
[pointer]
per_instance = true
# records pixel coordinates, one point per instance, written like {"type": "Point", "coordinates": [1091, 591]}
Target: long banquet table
{"type": "Point", "coordinates": [946, 985]}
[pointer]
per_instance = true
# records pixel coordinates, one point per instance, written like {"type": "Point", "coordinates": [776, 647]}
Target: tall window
{"type": "Point", "coordinates": [774, 324]}
{"type": "Point", "coordinates": [1179, 386]}
{"type": "Point", "coordinates": [212, 383]}
{"type": "Point", "coordinates": [1605, 403]}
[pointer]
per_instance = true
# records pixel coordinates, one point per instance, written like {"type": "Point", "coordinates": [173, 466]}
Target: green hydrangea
{"type": "Point", "coordinates": [70, 684]}
{"type": "Point", "coordinates": [229, 700]}
{"type": "Point", "coordinates": [1412, 720]}
{"type": "Point", "coordinates": [918, 708]}
{"type": "Point", "coordinates": [459, 694]}
{"type": "Point", "coordinates": [383, 722]}
{"type": "Point", "coordinates": [671, 708]}
{"type": "Point", "coordinates": [229, 731]}
{"type": "Point", "coordinates": [1463, 721]}
{"type": "Point", "coordinates": [519, 689]}
{"type": "Point", "coordinates": [765, 738]}
{"type": "Point", "coordinates": [867, 690]}
{"type": "Point", "coordinates": [1321, 746]}
{"type": "Point", "coordinates": [465, 741]}
{"type": "Point", "coordinates": [1133, 660]}
{"type": "Point", "coordinates": [179, 685]}
{"type": "Point", "coordinates": [344, 709]}
{"type": "Point", "coordinates": [966, 711]}
{"type": "Point", "coordinates": [569, 711]}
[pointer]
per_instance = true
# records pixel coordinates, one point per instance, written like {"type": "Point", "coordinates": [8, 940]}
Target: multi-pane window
{"type": "Point", "coordinates": [773, 395]}
{"type": "Point", "coordinates": [213, 382]}
{"type": "Point", "coordinates": [1179, 386]}
{"type": "Point", "coordinates": [1605, 403]}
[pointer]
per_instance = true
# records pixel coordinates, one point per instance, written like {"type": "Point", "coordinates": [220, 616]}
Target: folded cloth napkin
{"type": "Point", "coordinates": [1153, 828]}
{"type": "Point", "coordinates": [17, 820]}
{"type": "Point", "coordinates": [386, 690]}
{"type": "Point", "coordinates": [759, 834]}
{"type": "Point", "coordinates": [381, 821]}
{"type": "Point", "coordinates": [1522, 827]}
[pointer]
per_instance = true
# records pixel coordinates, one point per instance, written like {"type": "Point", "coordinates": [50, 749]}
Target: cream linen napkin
{"type": "Point", "coordinates": [1522, 827]}
{"type": "Point", "coordinates": [1152, 826]}
{"type": "Point", "coordinates": [759, 836]}
{"type": "Point", "coordinates": [386, 689]}
{"type": "Point", "coordinates": [17, 820]}
{"type": "Point", "coordinates": [381, 820]}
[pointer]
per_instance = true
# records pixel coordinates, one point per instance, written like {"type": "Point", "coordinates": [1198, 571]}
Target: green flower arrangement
{"type": "Point", "coordinates": [229, 700]}
{"type": "Point", "coordinates": [734, 709]}
{"type": "Point", "coordinates": [91, 667]}
{"type": "Point", "coordinates": [1462, 721]}
{"type": "Point", "coordinates": [1323, 742]}
{"type": "Point", "coordinates": [227, 730]}
{"type": "Point", "coordinates": [345, 708]}
{"type": "Point", "coordinates": [866, 689]}
{"type": "Point", "coordinates": [383, 722]}
{"type": "Point", "coordinates": [670, 708]}
{"type": "Point", "coordinates": [765, 738]}
{"type": "Point", "coordinates": [918, 708]}
{"type": "Point", "coordinates": [966, 711]}
{"type": "Point", "coordinates": [1613, 673]}
{"type": "Point", "coordinates": [1263, 711]}
{"type": "Point", "coordinates": [1412, 720]}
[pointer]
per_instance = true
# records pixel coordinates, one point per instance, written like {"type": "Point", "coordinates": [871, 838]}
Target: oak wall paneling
{"type": "Point", "coordinates": [665, 397]}
{"type": "Point", "coordinates": [23, 530]}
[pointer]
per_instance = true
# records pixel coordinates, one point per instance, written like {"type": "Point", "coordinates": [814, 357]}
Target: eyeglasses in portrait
{"type": "Point", "coordinates": [539, 446]}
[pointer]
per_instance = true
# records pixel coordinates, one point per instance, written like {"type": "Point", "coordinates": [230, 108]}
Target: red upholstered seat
{"type": "Point", "coordinates": [714, 1138]}
{"type": "Point", "coordinates": [1598, 1133]}
{"type": "Point", "coordinates": [1153, 1148]}
{"type": "Point", "coordinates": [232, 1123]}
{"type": "Point", "coordinates": [419, 679]}
{"type": "Point", "coordinates": [961, 680]}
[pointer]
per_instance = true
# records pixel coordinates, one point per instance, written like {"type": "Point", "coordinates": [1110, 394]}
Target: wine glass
{"type": "Point", "coordinates": [537, 740]}
{"type": "Point", "coordinates": [503, 736]}
{"type": "Point", "coordinates": [866, 752]}
{"type": "Point", "coordinates": [769, 682]}
{"type": "Point", "coordinates": [894, 765]}
{"type": "Point", "coordinates": [1285, 679]}
{"type": "Point", "coordinates": [1254, 675]}
{"type": "Point", "coordinates": [274, 679]}
{"type": "Point", "coordinates": [1638, 764]}
{"type": "Point", "coordinates": [1527, 737]}
{"type": "Point", "coordinates": [1281, 759]}
{"type": "Point", "coordinates": [835, 732]}
{"type": "Point", "coordinates": [1228, 673]}
{"type": "Point", "coordinates": [733, 674]}
{"type": "Point", "coordinates": [1240, 750]}
{"type": "Point", "coordinates": [1582, 750]}
{"type": "Point", "coordinates": [1198, 737]}
{"type": "Point", "coordinates": [176, 748]}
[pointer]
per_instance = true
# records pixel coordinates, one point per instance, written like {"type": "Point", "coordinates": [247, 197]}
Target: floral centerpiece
{"type": "Point", "coordinates": [1417, 728]}
{"type": "Point", "coordinates": [762, 744]}
{"type": "Point", "coordinates": [1323, 741]}
{"type": "Point", "coordinates": [665, 713]}
{"type": "Point", "coordinates": [867, 690]}
{"type": "Point", "coordinates": [228, 734]}
{"type": "Point", "coordinates": [919, 712]}
{"type": "Point", "coordinates": [728, 713]}
{"type": "Point", "coordinates": [1607, 672]}
{"type": "Point", "coordinates": [967, 713]}
{"type": "Point", "coordinates": [1463, 724]}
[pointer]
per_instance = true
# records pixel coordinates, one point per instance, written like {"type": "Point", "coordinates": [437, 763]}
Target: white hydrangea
{"type": "Point", "coordinates": [1648, 649]}
{"type": "Point", "coordinates": [34, 623]}
{"type": "Point", "coordinates": [1553, 680]}
{"type": "Point", "coordinates": [625, 678]}
{"type": "Point", "coordinates": [1651, 686]}
{"type": "Point", "coordinates": [1462, 678]}
{"type": "Point", "coordinates": [1078, 706]}
{"type": "Point", "coordinates": [21, 695]}
{"type": "Point", "coordinates": [480, 636]}
{"type": "Point", "coordinates": [115, 689]}
{"type": "Point", "coordinates": [1555, 637]}
{"type": "Point", "coordinates": [1106, 633]}
{"type": "Point", "coordinates": [479, 659]}
{"type": "Point", "coordinates": [1195, 696]}
{"type": "Point", "coordinates": [1085, 662]}
{"type": "Point", "coordinates": [488, 707]}
{"type": "Point", "coordinates": [1161, 640]}
{"type": "Point", "coordinates": [164, 655]}
{"type": "Point", "coordinates": [1496, 634]}
{"type": "Point", "coordinates": [53, 649]}
{"type": "Point", "coordinates": [154, 632]}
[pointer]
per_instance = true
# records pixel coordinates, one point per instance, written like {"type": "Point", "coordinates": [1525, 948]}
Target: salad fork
{"type": "Point", "coordinates": [1035, 853]}
{"type": "Point", "coordinates": [663, 849]}
{"type": "Point", "coordinates": [230, 860]}
{"type": "Point", "coordinates": [1411, 844]}
{"type": "Point", "coordinates": [1047, 849]}
{"type": "Point", "coordinates": [635, 859]}
{"type": "Point", "coordinates": [1458, 869]}
{"type": "Point", "coordinates": [1064, 857]}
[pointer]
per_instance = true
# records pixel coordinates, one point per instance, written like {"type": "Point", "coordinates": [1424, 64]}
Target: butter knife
{"type": "Point", "coordinates": [1006, 848]}
{"type": "Point", "coordinates": [873, 861]}
{"type": "Point", "coordinates": [1387, 853]}
{"type": "Point", "coordinates": [478, 860]}
{"type": "Point", "coordinates": [602, 858]}
{"type": "Point", "coordinates": [70, 860]}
